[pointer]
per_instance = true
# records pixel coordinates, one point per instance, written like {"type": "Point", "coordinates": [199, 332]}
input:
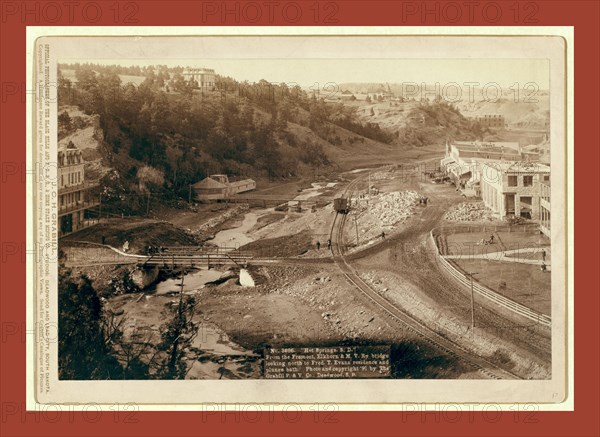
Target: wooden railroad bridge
{"type": "Point", "coordinates": [196, 256]}
{"type": "Point", "coordinates": [267, 200]}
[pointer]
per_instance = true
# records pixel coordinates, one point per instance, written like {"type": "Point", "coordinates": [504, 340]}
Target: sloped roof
{"type": "Point", "coordinates": [528, 167]}
{"type": "Point", "coordinates": [209, 183]}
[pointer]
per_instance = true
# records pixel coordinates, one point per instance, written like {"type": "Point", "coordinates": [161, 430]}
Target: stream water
{"type": "Point", "coordinates": [238, 236]}
{"type": "Point", "coordinates": [192, 281]}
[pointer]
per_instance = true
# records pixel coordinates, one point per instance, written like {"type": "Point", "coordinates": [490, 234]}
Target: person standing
{"type": "Point", "coordinates": [318, 245]}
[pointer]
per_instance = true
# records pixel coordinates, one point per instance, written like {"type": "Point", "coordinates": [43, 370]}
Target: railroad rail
{"type": "Point", "coordinates": [413, 325]}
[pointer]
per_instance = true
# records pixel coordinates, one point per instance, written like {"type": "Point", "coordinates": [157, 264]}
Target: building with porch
{"type": "Point", "coordinates": [204, 77]}
{"type": "Point", "coordinates": [514, 189]}
{"type": "Point", "coordinates": [73, 199]}
{"type": "Point", "coordinates": [464, 161]}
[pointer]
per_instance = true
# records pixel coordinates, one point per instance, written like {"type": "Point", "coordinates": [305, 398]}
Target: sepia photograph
{"type": "Point", "coordinates": [302, 217]}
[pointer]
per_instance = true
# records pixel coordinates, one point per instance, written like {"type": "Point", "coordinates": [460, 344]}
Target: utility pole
{"type": "Point", "coordinates": [369, 192]}
{"type": "Point", "coordinates": [356, 224]}
{"type": "Point", "coordinates": [190, 194]}
{"type": "Point", "coordinates": [148, 205]}
{"type": "Point", "coordinates": [470, 275]}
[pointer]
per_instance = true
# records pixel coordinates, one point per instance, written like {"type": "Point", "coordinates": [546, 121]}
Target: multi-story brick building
{"type": "Point", "coordinates": [72, 188]}
{"type": "Point", "coordinates": [491, 120]}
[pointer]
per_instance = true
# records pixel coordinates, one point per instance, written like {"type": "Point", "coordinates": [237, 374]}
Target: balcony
{"type": "Point", "coordinates": [79, 187]}
{"type": "Point", "coordinates": [77, 206]}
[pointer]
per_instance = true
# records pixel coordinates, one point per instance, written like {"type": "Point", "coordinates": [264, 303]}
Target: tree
{"type": "Point", "coordinates": [65, 91]}
{"type": "Point", "coordinates": [177, 336]}
{"type": "Point", "coordinates": [65, 120]}
{"type": "Point", "coordinates": [148, 178]}
{"type": "Point", "coordinates": [85, 341]}
{"type": "Point", "coordinates": [180, 85]}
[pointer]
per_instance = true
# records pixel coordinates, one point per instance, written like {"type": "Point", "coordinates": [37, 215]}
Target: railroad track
{"type": "Point", "coordinates": [423, 332]}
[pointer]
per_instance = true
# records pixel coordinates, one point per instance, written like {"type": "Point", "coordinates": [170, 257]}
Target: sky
{"type": "Point", "coordinates": [307, 72]}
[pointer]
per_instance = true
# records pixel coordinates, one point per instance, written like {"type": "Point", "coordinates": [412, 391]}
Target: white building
{"type": "Point", "coordinates": [514, 189]}
{"type": "Point", "coordinates": [511, 181]}
{"type": "Point", "coordinates": [204, 77]}
{"type": "Point", "coordinates": [464, 160]}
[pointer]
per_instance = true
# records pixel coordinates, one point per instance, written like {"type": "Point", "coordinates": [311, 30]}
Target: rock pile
{"type": "Point", "coordinates": [216, 221]}
{"type": "Point", "coordinates": [394, 207]}
{"type": "Point", "coordinates": [468, 211]}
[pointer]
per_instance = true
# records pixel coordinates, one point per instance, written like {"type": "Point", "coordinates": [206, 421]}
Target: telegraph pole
{"type": "Point", "coordinates": [356, 224]}
{"type": "Point", "coordinates": [470, 276]}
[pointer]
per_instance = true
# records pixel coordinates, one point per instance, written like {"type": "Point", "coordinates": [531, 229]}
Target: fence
{"type": "Point", "coordinates": [489, 294]}
{"type": "Point", "coordinates": [529, 228]}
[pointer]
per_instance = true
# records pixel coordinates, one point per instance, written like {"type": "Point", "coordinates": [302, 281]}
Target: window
{"type": "Point", "coordinates": [546, 177]}
{"type": "Point", "coordinates": [527, 181]}
{"type": "Point", "coordinates": [526, 201]}
{"type": "Point", "coordinates": [512, 181]}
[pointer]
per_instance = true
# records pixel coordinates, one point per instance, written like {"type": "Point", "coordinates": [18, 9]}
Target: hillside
{"type": "Point", "coordinates": [533, 115]}
{"type": "Point", "coordinates": [84, 131]}
{"type": "Point", "coordinates": [531, 110]}
{"type": "Point", "coordinates": [418, 124]}
{"type": "Point", "coordinates": [163, 135]}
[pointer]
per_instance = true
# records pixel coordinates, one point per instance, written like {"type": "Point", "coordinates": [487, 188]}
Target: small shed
{"type": "Point", "coordinates": [218, 187]}
{"type": "Point", "coordinates": [210, 189]}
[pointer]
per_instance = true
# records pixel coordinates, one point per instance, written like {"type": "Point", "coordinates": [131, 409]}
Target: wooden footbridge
{"type": "Point", "coordinates": [91, 254]}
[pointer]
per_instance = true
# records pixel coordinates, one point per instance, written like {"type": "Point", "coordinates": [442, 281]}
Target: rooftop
{"type": "Point", "coordinates": [487, 145]}
{"type": "Point", "coordinates": [209, 183]}
{"type": "Point", "coordinates": [519, 166]}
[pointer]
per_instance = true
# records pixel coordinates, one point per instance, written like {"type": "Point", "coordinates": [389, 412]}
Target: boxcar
{"type": "Point", "coordinates": [341, 205]}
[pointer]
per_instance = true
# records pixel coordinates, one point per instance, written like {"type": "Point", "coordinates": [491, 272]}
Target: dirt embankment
{"type": "Point", "coordinates": [299, 306]}
{"type": "Point", "coordinates": [285, 246]}
{"type": "Point", "coordinates": [84, 132]}
{"type": "Point", "coordinates": [139, 232]}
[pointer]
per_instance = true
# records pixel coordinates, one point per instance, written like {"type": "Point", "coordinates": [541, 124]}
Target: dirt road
{"type": "Point", "coordinates": [409, 261]}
